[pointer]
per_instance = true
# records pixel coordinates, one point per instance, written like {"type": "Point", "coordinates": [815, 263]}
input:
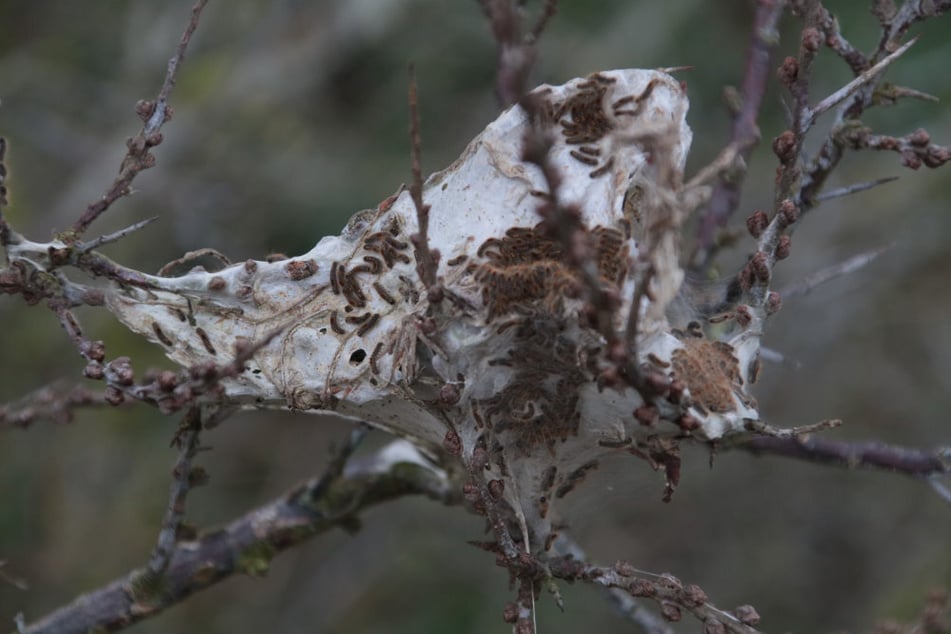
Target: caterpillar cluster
{"type": "Point", "coordinates": [710, 371]}
{"type": "Point", "coordinates": [525, 270]}
{"type": "Point", "coordinates": [540, 405]}
{"type": "Point", "coordinates": [584, 120]}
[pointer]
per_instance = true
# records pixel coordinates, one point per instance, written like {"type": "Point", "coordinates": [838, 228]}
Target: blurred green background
{"type": "Point", "coordinates": [291, 115]}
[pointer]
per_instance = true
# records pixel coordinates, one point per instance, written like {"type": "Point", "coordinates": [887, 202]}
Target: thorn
{"type": "Point", "coordinates": [940, 489]}
{"type": "Point", "coordinates": [822, 276]}
{"type": "Point", "coordinates": [670, 70]}
{"type": "Point", "coordinates": [85, 247]}
{"type": "Point", "coordinates": [853, 189]}
{"type": "Point", "coordinates": [850, 88]}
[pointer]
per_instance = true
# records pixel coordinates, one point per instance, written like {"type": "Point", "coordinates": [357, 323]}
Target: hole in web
{"type": "Point", "coordinates": [358, 356]}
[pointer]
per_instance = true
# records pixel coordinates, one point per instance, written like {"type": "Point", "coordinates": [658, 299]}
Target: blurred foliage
{"type": "Point", "coordinates": [291, 115]}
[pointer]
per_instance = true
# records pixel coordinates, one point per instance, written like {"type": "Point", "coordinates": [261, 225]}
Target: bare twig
{"type": "Point", "coordinates": [246, 546]}
{"type": "Point", "coordinates": [183, 479]}
{"type": "Point", "coordinates": [854, 455]}
{"type": "Point", "coordinates": [745, 133]}
{"type": "Point", "coordinates": [154, 114]}
{"type": "Point", "coordinates": [853, 189]}
{"type": "Point", "coordinates": [51, 402]}
{"type": "Point", "coordinates": [915, 149]}
{"type": "Point", "coordinates": [822, 276]}
{"type": "Point", "coordinates": [114, 236]}
{"type": "Point", "coordinates": [427, 260]}
{"type": "Point", "coordinates": [628, 606]}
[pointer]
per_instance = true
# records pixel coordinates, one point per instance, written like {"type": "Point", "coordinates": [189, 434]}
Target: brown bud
{"type": "Point", "coordinates": [937, 156]}
{"type": "Point", "coordinates": [774, 302]}
{"type": "Point", "coordinates": [910, 160]}
{"type": "Point", "coordinates": [743, 315]}
{"type": "Point", "coordinates": [783, 247]}
{"type": "Point", "coordinates": [642, 588]}
{"type": "Point", "coordinates": [121, 370]}
{"type": "Point", "coordinates": [811, 39]}
{"type": "Point", "coordinates": [114, 396]}
{"type": "Point", "coordinates": [670, 611]}
{"type": "Point", "coordinates": [788, 71]}
{"type": "Point", "coordinates": [449, 394]}
{"type": "Point", "coordinates": [757, 223]}
{"type": "Point", "coordinates": [759, 267]}
{"type": "Point", "coordinates": [167, 380]}
{"type": "Point", "coordinates": [788, 213]}
{"type": "Point", "coordinates": [784, 146]}
{"type": "Point", "coordinates": [452, 443]}
{"type": "Point", "coordinates": [93, 350]}
{"type": "Point", "coordinates": [919, 137]}
{"type": "Point", "coordinates": [625, 569]}
{"type": "Point", "coordinates": [144, 109]}
{"type": "Point", "coordinates": [510, 613]}
{"type": "Point", "coordinates": [93, 371]}
{"type": "Point", "coordinates": [694, 595]}
{"type": "Point", "coordinates": [747, 615]}
{"type": "Point", "coordinates": [496, 489]}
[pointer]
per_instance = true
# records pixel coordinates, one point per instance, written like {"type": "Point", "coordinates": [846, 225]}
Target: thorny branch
{"type": "Point", "coordinates": [894, 23]}
{"type": "Point", "coordinates": [51, 402]}
{"type": "Point", "coordinates": [154, 114]}
{"type": "Point", "coordinates": [248, 544]}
